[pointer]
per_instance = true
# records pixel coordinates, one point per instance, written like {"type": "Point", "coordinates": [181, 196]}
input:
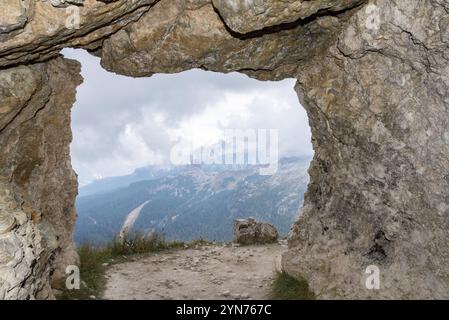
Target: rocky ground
{"type": "Point", "coordinates": [206, 272]}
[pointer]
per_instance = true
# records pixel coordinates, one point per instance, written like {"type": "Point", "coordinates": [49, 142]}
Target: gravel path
{"type": "Point", "coordinates": [207, 272]}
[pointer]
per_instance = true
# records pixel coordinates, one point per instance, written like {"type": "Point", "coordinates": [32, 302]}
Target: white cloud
{"type": "Point", "coordinates": [122, 123]}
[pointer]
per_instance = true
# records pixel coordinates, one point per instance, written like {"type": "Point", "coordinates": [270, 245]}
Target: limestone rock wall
{"type": "Point", "coordinates": [379, 194]}
{"type": "Point", "coordinates": [179, 35]}
{"type": "Point", "coordinates": [37, 183]}
{"type": "Point", "coordinates": [246, 16]}
{"type": "Point", "coordinates": [372, 74]}
{"type": "Point", "coordinates": [35, 30]}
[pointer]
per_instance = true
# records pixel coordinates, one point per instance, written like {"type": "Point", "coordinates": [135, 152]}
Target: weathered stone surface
{"type": "Point", "coordinates": [52, 25]}
{"type": "Point", "coordinates": [13, 16]}
{"type": "Point", "coordinates": [373, 78]}
{"type": "Point", "coordinates": [37, 184]}
{"type": "Point", "coordinates": [379, 194]}
{"type": "Point", "coordinates": [250, 231]}
{"type": "Point", "coordinates": [7, 222]}
{"type": "Point", "coordinates": [184, 34]}
{"type": "Point", "coordinates": [65, 3]}
{"type": "Point", "coordinates": [244, 16]}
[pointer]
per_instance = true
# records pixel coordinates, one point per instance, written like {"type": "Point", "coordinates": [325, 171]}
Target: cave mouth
{"type": "Point", "coordinates": [225, 147]}
{"type": "Point", "coordinates": [126, 151]}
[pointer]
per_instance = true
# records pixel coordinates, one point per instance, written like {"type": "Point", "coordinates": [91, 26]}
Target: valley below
{"type": "Point", "coordinates": [187, 203]}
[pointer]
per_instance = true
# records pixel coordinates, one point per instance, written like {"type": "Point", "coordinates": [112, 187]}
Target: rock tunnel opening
{"type": "Point", "coordinates": [185, 155]}
{"type": "Point", "coordinates": [128, 130]}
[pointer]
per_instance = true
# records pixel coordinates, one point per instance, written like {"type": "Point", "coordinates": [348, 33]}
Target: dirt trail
{"type": "Point", "coordinates": [207, 272]}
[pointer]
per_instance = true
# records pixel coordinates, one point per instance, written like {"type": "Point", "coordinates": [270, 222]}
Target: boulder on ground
{"type": "Point", "coordinates": [249, 231]}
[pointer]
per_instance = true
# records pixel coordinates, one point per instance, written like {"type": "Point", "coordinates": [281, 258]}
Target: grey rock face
{"type": "Point", "coordinates": [245, 16]}
{"type": "Point", "coordinates": [65, 3]}
{"type": "Point", "coordinates": [373, 76]}
{"type": "Point", "coordinates": [41, 28]}
{"type": "Point", "coordinates": [13, 15]}
{"type": "Point", "coordinates": [37, 183]}
{"type": "Point", "coordinates": [379, 194]}
{"type": "Point", "coordinates": [250, 231]}
{"type": "Point", "coordinates": [181, 35]}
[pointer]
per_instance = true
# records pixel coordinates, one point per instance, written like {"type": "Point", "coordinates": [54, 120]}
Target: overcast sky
{"type": "Point", "coordinates": [121, 123]}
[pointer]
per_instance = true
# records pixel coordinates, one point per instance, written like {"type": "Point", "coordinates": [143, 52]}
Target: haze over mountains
{"type": "Point", "coordinates": [190, 202]}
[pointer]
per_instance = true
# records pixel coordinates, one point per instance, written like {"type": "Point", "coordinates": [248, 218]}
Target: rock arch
{"type": "Point", "coordinates": [371, 74]}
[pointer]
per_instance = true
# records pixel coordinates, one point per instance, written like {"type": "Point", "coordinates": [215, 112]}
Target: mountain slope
{"type": "Point", "coordinates": [196, 202]}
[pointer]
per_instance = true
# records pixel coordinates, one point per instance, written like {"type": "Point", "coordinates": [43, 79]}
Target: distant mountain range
{"type": "Point", "coordinates": [190, 202]}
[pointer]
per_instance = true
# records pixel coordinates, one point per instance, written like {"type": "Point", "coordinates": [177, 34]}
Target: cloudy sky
{"type": "Point", "coordinates": [121, 123]}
